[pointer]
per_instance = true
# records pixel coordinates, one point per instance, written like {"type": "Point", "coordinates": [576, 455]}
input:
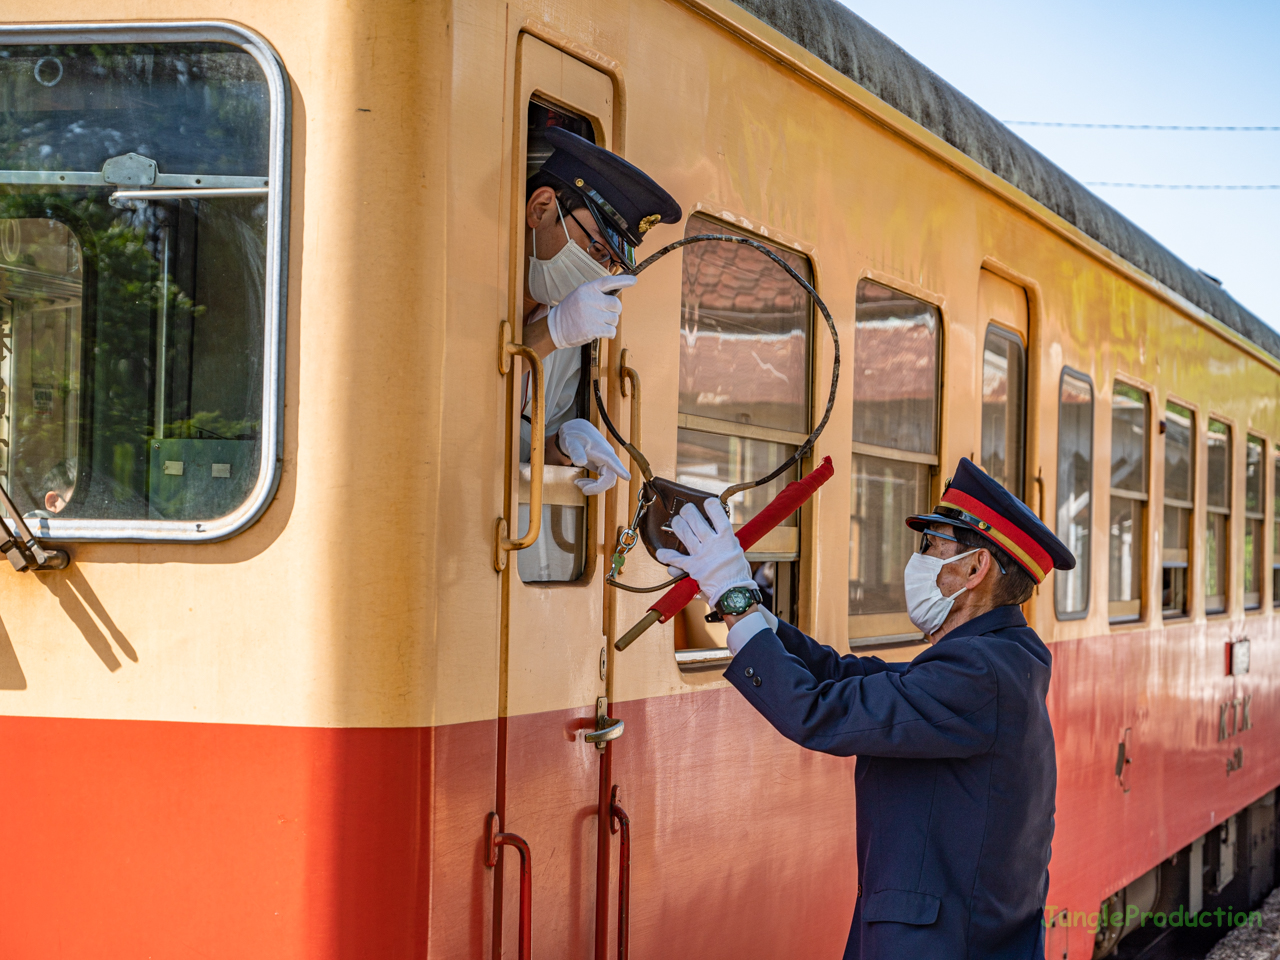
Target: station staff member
{"type": "Point", "coordinates": [956, 772]}
{"type": "Point", "coordinates": [586, 210]}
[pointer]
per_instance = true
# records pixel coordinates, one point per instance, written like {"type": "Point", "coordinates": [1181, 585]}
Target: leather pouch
{"type": "Point", "coordinates": [669, 498]}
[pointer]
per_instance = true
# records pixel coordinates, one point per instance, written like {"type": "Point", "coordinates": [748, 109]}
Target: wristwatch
{"type": "Point", "coordinates": [738, 600]}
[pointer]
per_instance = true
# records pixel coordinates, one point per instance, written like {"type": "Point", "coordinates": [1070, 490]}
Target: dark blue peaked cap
{"type": "Point", "coordinates": [628, 198]}
{"type": "Point", "coordinates": [974, 500]}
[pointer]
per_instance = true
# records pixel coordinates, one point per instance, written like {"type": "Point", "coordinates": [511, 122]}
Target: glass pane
{"type": "Point", "coordinates": [1215, 563]}
{"type": "Point", "coordinates": [1175, 558]}
{"type": "Point", "coordinates": [711, 462]}
{"type": "Point", "coordinates": [1252, 563]}
{"type": "Point", "coordinates": [744, 328]}
{"type": "Point", "coordinates": [1128, 439]}
{"type": "Point", "coordinates": [1219, 437]}
{"type": "Point", "coordinates": [1003, 408]}
{"type": "Point", "coordinates": [1125, 559]}
{"type": "Point", "coordinates": [895, 370]}
{"type": "Point", "coordinates": [1253, 478]}
{"type": "Point", "coordinates": [560, 552]}
{"type": "Point", "coordinates": [136, 375]}
{"type": "Point", "coordinates": [1075, 472]}
{"type": "Point", "coordinates": [1179, 454]}
{"type": "Point", "coordinates": [884, 494]}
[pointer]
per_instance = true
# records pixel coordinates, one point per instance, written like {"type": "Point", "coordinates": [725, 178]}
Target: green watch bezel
{"type": "Point", "coordinates": [751, 595]}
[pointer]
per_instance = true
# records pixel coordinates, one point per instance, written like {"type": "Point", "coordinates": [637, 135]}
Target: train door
{"type": "Point", "coordinates": [552, 643]}
{"type": "Point", "coordinates": [1004, 330]}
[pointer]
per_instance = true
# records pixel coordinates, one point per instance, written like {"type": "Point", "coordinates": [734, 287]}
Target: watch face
{"type": "Point", "coordinates": [735, 601]}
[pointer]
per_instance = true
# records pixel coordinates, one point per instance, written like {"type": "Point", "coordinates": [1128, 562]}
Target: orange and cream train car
{"type": "Point", "coordinates": [260, 288]}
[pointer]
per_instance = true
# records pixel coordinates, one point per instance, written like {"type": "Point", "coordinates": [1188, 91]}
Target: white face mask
{"type": "Point", "coordinates": [550, 281]}
{"type": "Point", "coordinates": [926, 606]}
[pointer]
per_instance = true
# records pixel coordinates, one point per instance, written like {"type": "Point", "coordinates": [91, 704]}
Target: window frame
{"type": "Point", "coordinates": [1256, 516]}
{"type": "Point", "coordinates": [1057, 481]}
{"type": "Point", "coordinates": [1274, 460]}
{"type": "Point", "coordinates": [1013, 336]}
{"type": "Point", "coordinates": [1211, 510]}
{"type": "Point", "coordinates": [932, 461]}
{"type": "Point", "coordinates": [275, 294]}
{"type": "Point", "coordinates": [1187, 505]}
{"type": "Point", "coordinates": [1144, 497]}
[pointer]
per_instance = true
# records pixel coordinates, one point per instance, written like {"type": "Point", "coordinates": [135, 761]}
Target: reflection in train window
{"type": "Point", "coordinates": [560, 552]}
{"type": "Point", "coordinates": [744, 387]}
{"type": "Point", "coordinates": [1128, 502]}
{"type": "Point", "coordinates": [133, 382]}
{"type": "Point", "coordinates": [1075, 489]}
{"type": "Point", "coordinates": [1254, 486]}
{"type": "Point", "coordinates": [895, 451]}
{"type": "Point", "coordinates": [1217, 517]}
{"type": "Point", "coordinates": [1004, 408]}
{"type": "Point", "coordinates": [1179, 502]}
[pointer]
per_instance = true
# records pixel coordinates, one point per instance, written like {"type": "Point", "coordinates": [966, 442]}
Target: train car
{"type": "Point", "coordinates": [300, 656]}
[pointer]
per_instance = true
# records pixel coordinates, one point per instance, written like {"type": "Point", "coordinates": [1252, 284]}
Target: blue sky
{"type": "Point", "coordinates": [1136, 63]}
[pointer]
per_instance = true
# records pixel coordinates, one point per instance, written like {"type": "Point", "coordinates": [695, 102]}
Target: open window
{"type": "Point", "coordinates": [895, 453]}
{"type": "Point", "coordinates": [745, 330]}
{"type": "Point", "coordinates": [140, 260]}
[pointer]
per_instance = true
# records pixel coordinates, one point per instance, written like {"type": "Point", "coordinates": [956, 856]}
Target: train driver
{"type": "Point", "coordinates": [956, 771]}
{"type": "Point", "coordinates": [586, 210]}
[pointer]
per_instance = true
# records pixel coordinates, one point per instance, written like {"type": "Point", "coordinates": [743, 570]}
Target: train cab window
{"type": "Point", "coordinates": [140, 237]}
{"type": "Point", "coordinates": [1004, 408]}
{"type": "Point", "coordinates": [895, 451]}
{"type": "Point", "coordinates": [1075, 488]}
{"type": "Point", "coordinates": [1254, 505]}
{"type": "Point", "coordinates": [1128, 502]}
{"type": "Point", "coordinates": [744, 387]}
{"type": "Point", "coordinates": [1217, 518]}
{"type": "Point", "coordinates": [559, 555]}
{"type": "Point", "coordinates": [1179, 503]}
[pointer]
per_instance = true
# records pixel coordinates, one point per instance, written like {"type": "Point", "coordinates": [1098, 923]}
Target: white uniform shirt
{"type": "Point", "coordinates": [561, 369]}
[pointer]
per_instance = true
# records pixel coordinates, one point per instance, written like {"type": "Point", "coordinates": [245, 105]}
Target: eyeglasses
{"type": "Point", "coordinates": [925, 545]}
{"type": "Point", "coordinates": [597, 250]}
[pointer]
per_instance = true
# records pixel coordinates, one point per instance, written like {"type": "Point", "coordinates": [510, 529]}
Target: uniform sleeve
{"type": "Point", "coordinates": [943, 704]}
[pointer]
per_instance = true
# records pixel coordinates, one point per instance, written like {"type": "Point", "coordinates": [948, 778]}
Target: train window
{"type": "Point", "coordinates": [1179, 503]}
{"type": "Point", "coordinates": [559, 555]}
{"type": "Point", "coordinates": [1275, 530]}
{"type": "Point", "coordinates": [139, 383]}
{"type": "Point", "coordinates": [1254, 505]}
{"type": "Point", "coordinates": [1218, 517]}
{"type": "Point", "coordinates": [1004, 408]}
{"type": "Point", "coordinates": [744, 387]}
{"type": "Point", "coordinates": [895, 451]}
{"type": "Point", "coordinates": [1128, 502]}
{"type": "Point", "coordinates": [1075, 487]}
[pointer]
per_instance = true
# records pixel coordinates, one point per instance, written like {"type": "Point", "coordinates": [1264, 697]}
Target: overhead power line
{"type": "Point", "coordinates": [1185, 186]}
{"type": "Point", "coordinates": [1136, 126]}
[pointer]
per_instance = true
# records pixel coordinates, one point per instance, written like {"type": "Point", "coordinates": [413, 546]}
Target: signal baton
{"type": "Point", "coordinates": [793, 496]}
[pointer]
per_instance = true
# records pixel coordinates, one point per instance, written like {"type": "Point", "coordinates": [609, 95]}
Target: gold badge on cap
{"type": "Point", "coordinates": [649, 221]}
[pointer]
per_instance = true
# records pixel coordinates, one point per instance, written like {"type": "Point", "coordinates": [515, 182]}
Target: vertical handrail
{"type": "Point", "coordinates": [507, 349]}
{"type": "Point", "coordinates": [499, 839]}
{"type": "Point", "coordinates": [618, 820]}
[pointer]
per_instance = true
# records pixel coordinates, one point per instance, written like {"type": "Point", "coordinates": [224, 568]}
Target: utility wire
{"type": "Point", "coordinates": [1185, 186]}
{"type": "Point", "coordinates": [1134, 126]}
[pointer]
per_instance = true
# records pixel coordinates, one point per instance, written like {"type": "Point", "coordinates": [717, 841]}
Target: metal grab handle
{"type": "Point", "coordinates": [498, 839]}
{"type": "Point", "coordinates": [1040, 490]}
{"type": "Point", "coordinates": [618, 820]}
{"type": "Point", "coordinates": [600, 737]}
{"type": "Point", "coordinates": [185, 193]}
{"type": "Point", "coordinates": [537, 447]}
{"type": "Point", "coordinates": [628, 375]}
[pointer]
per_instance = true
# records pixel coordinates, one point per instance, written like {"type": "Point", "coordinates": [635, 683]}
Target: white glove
{"type": "Point", "coordinates": [586, 447]}
{"type": "Point", "coordinates": [590, 312]}
{"type": "Point", "coordinates": [715, 557]}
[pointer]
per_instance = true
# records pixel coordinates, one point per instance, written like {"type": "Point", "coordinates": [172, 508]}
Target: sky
{"type": "Point", "coordinates": [1135, 62]}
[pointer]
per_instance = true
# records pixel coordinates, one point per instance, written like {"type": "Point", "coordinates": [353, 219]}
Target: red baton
{"type": "Point", "coordinates": [793, 496]}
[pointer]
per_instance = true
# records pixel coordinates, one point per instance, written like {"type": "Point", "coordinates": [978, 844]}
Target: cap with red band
{"type": "Point", "coordinates": [974, 500]}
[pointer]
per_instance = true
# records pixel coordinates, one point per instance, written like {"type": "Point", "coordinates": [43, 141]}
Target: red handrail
{"type": "Point", "coordinates": [498, 839]}
{"type": "Point", "coordinates": [618, 820]}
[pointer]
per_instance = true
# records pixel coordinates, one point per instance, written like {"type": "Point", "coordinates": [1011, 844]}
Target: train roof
{"type": "Point", "coordinates": [870, 59]}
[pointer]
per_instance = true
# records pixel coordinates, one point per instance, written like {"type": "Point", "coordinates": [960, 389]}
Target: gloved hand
{"type": "Point", "coordinates": [715, 557]}
{"type": "Point", "coordinates": [586, 447]}
{"type": "Point", "coordinates": [589, 312]}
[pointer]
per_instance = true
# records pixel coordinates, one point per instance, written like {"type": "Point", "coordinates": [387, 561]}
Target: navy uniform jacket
{"type": "Point", "coordinates": [955, 780]}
